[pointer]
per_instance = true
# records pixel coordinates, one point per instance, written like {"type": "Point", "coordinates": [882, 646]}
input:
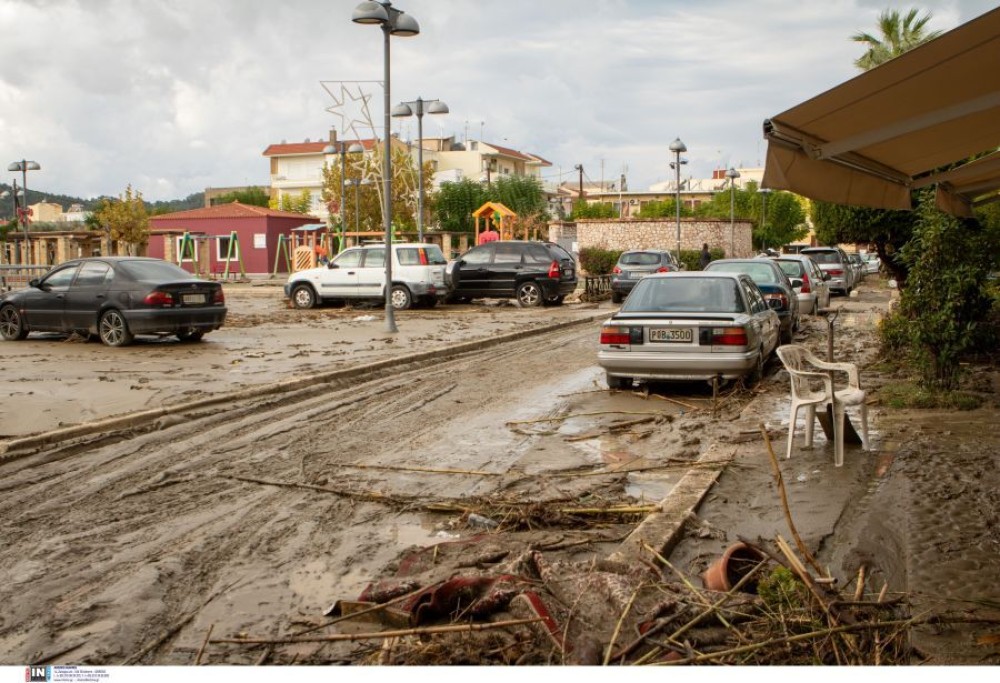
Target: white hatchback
{"type": "Point", "coordinates": [358, 274]}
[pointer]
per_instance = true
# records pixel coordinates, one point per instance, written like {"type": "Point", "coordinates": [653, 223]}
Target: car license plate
{"type": "Point", "coordinates": [193, 299]}
{"type": "Point", "coordinates": [671, 334]}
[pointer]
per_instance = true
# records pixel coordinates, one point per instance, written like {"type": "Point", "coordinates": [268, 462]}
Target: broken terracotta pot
{"type": "Point", "coordinates": [738, 561]}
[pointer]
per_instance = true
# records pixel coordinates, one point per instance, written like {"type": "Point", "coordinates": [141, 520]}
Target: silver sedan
{"type": "Point", "coordinates": [689, 326]}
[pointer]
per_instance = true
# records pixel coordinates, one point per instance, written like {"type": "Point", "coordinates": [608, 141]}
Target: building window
{"type": "Point", "coordinates": [222, 248]}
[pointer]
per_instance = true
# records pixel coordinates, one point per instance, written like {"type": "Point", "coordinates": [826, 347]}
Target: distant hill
{"type": "Point", "coordinates": [192, 201]}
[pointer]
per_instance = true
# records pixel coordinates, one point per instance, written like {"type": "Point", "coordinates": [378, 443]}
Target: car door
{"type": "Point", "coordinates": [371, 274]}
{"type": "Point", "coordinates": [506, 271]}
{"type": "Point", "coordinates": [45, 303]}
{"type": "Point", "coordinates": [339, 280]}
{"type": "Point", "coordinates": [87, 295]}
{"type": "Point", "coordinates": [763, 319]}
{"type": "Point", "coordinates": [470, 273]}
{"type": "Point", "coordinates": [819, 283]}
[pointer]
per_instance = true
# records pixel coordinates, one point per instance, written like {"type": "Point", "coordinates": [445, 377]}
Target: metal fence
{"type": "Point", "coordinates": [596, 287]}
{"type": "Point", "coordinates": [18, 276]}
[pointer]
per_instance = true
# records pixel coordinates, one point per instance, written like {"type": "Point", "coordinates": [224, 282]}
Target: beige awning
{"type": "Point", "coordinates": [909, 123]}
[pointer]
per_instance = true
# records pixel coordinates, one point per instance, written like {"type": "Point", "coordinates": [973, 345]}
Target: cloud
{"type": "Point", "coordinates": [174, 96]}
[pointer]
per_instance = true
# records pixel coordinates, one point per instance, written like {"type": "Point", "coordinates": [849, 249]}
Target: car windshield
{"type": "Point", "coordinates": [824, 256]}
{"type": "Point", "coordinates": [154, 271]}
{"type": "Point", "coordinates": [684, 295]}
{"type": "Point", "coordinates": [791, 268]}
{"type": "Point", "coordinates": [639, 258]}
{"type": "Point", "coordinates": [760, 272]}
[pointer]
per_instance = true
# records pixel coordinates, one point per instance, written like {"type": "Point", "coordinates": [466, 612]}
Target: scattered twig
{"type": "Point", "coordinates": [428, 470]}
{"type": "Point", "coordinates": [201, 650]}
{"type": "Point", "coordinates": [618, 626]}
{"type": "Point", "coordinates": [427, 630]}
{"type": "Point", "coordinates": [573, 415]}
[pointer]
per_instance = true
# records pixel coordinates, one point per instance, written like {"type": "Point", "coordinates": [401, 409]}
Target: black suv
{"type": "Point", "coordinates": [531, 273]}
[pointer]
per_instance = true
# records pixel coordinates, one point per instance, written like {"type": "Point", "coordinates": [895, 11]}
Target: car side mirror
{"type": "Point", "coordinates": [331, 265]}
{"type": "Point", "coordinates": [774, 304]}
{"type": "Point", "coordinates": [827, 276]}
{"type": "Point", "coordinates": [33, 283]}
{"type": "Point", "coordinates": [796, 282]}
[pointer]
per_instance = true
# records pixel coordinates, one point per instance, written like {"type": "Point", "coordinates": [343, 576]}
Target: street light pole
{"type": "Point", "coordinates": [353, 149]}
{"type": "Point", "coordinates": [392, 22]}
{"type": "Point", "coordinates": [732, 174]}
{"type": "Point", "coordinates": [678, 147]}
{"type": "Point", "coordinates": [417, 108]}
{"type": "Point", "coordinates": [24, 166]}
{"type": "Point", "coordinates": [763, 217]}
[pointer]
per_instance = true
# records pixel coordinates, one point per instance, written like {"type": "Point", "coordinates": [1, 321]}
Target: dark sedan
{"type": "Point", "coordinates": [115, 298]}
{"type": "Point", "coordinates": [773, 284]}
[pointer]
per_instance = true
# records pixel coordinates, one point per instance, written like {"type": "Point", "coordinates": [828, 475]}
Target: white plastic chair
{"type": "Point", "coordinates": [812, 387]}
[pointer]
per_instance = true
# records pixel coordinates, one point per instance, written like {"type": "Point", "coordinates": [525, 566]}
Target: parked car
{"type": "Point", "coordinates": [872, 262]}
{"type": "Point", "coordinates": [689, 326]}
{"type": "Point", "coordinates": [814, 293]}
{"type": "Point", "coordinates": [115, 298]}
{"type": "Point", "coordinates": [858, 264]}
{"type": "Point", "coordinates": [358, 274]}
{"type": "Point", "coordinates": [530, 273]}
{"type": "Point", "coordinates": [773, 283]}
{"type": "Point", "coordinates": [632, 266]}
{"type": "Point", "coordinates": [834, 262]}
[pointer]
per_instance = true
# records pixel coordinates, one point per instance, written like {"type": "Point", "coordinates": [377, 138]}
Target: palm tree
{"type": "Point", "coordinates": [899, 34]}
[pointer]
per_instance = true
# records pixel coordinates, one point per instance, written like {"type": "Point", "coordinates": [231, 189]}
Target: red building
{"type": "Point", "coordinates": [257, 232]}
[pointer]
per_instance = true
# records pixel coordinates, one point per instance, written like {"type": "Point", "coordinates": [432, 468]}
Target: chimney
{"type": "Point", "coordinates": [333, 137]}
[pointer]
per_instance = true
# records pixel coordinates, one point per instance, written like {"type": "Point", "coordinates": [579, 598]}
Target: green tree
{"type": "Point", "coordinates": [456, 201]}
{"type": "Point", "coordinates": [897, 34]}
{"type": "Point", "coordinates": [785, 217]}
{"type": "Point", "coordinates": [125, 219]}
{"type": "Point", "coordinates": [521, 194]}
{"type": "Point", "coordinates": [593, 210]}
{"type": "Point", "coordinates": [252, 196]}
{"type": "Point", "coordinates": [886, 230]}
{"type": "Point", "coordinates": [366, 169]}
{"type": "Point", "coordinates": [663, 209]}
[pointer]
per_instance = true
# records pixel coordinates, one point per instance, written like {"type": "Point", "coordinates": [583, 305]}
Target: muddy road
{"type": "Point", "coordinates": [248, 516]}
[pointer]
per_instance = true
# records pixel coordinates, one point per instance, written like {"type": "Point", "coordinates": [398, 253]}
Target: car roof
{"type": "Point", "coordinates": [696, 274]}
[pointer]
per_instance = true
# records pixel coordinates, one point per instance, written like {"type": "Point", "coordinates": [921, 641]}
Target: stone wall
{"type": "Point", "coordinates": [657, 233]}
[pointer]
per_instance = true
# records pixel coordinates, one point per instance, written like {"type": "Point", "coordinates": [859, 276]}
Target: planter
{"type": "Point", "coordinates": [738, 561]}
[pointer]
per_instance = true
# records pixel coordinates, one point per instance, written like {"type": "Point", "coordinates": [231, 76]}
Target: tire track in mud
{"type": "Point", "coordinates": [109, 539]}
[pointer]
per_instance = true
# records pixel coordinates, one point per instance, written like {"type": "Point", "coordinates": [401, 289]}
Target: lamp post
{"type": "Point", "coordinates": [763, 217]}
{"type": "Point", "coordinates": [393, 22]}
{"type": "Point", "coordinates": [353, 149]}
{"type": "Point", "coordinates": [419, 107]}
{"type": "Point", "coordinates": [678, 147]}
{"type": "Point", "coordinates": [355, 183]}
{"type": "Point", "coordinates": [24, 166]}
{"type": "Point", "coordinates": [732, 174]}
{"type": "Point", "coordinates": [4, 195]}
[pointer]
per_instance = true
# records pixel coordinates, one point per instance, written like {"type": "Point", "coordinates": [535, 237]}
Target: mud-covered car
{"type": "Point", "coordinates": [689, 326]}
{"type": "Point", "coordinates": [358, 274]}
{"type": "Point", "coordinates": [115, 298]}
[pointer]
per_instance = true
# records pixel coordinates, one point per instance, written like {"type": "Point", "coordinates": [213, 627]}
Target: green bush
{"type": "Point", "coordinates": [691, 259]}
{"type": "Point", "coordinates": [597, 261]}
{"type": "Point", "coordinates": [596, 210]}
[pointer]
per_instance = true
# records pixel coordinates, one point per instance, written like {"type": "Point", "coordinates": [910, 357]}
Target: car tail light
{"type": "Point", "coordinates": [621, 335]}
{"type": "Point", "coordinates": [218, 297]}
{"type": "Point", "coordinates": [554, 269]}
{"type": "Point", "coordinates": [158, 298]}
{"type": "Point", "coordinates": [616, 270]}
{"type": "Point", "coordinates": [423, 257]}
{"type": "Point", "coordinates": [777, 296]}
{"type": "Point", "coordinates": [664, 269]}
{"type": "Point", "coordinates": [729, 336]}
{"type": "Point", "coordinates": [837, 271]}
{"type": "Point", "coordinates": [805, 284]}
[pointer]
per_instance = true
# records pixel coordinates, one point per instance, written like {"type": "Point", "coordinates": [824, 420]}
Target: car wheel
{"type": "Point", "coordinates": [190, 335]}
{"type": "Point", "coordinates": [619, 383]}
{"type": "Point", "coordinates": [400, 297]}
{"type": "Point", "coordinates": [616, 298]}
{"type": "Point", "coordinates": [431, 301]}
{"type": "Point", "coordinates": [303, 296]}
{"type": "Point", "coordinates": [12, 327]}
{"type": "Point", "coordinates": [528, 295]}
{"type": "Point", "coordinates": [786, 336]}
{"type": "Point", "coordinates": [556, 300]}
{"type": "Point", "coordinates": [113, 329]}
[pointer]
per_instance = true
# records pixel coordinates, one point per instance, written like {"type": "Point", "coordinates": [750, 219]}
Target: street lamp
{"type": "Point", "coordinates": [355, 148]}
{"type": "Point", "coordinates": [677, 147]}
{"type": "Point", "coordinates": [417, 108]}
{"type": "Point", "coordinates": [393, 23]}
{"type": "Point", "coordinates": [24, 166]}
{"type": "Point", "coordinates": [763, 217]}
{"type": "Point", "coordinates": [732, 174]}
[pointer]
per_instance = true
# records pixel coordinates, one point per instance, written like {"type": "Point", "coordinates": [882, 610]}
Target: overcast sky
{"type": "Point", "coordinates": [174, 96]}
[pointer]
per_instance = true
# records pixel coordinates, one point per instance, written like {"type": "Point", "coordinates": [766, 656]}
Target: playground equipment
{"type": "Point", "coordinates": [497, 215]}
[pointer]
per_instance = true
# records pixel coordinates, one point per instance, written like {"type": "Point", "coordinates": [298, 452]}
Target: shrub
{"type": "Point", "coordinates": [598, 261]}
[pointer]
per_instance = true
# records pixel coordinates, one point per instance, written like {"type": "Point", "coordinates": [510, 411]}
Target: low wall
{"type": "Point", "coordinates": [657, 233]}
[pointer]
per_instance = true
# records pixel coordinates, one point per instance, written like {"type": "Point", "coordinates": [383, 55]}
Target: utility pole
{"type": "Point", "coordinates": [579, 199]}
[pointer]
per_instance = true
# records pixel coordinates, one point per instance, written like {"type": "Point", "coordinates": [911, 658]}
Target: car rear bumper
{"type": "Point", "coordinates": [170, 321]}
{"type": "Point", "coordinates": [692, 366]}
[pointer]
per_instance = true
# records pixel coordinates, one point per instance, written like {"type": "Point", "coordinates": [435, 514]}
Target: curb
{"type": "Point", "coordinates": [130, 420]}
